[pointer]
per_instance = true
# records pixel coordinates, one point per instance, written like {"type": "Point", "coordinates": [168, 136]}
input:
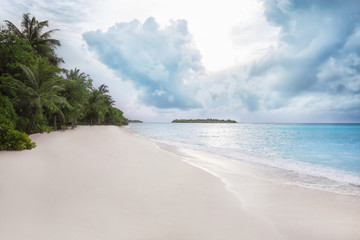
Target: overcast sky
{"type": "Point", "coordinates": [248, 60]}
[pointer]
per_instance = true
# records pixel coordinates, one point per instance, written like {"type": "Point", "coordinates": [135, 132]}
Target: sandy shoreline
{"type": "Point", "coordinates": [297, 212]}
{"type": "Point", "coordinates": [106, 183]}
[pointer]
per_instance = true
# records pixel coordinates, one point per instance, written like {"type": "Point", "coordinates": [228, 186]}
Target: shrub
{"type": "Point", "coordinates": [7, 112]}
{"type": "Point", "coordinates": [11, 139]}
{"type": "Point", "coordinates": [41, 128]}
{"type": "Point", "coordinates": [63, 127]}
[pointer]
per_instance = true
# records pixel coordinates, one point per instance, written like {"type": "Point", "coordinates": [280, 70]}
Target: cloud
{"type": "Point", "coordinates": [312, 33]}
{"type": "Point", "coordinates": [161, 62]}
{"type": "Point", "coordinates": [59, 11]}
{"type": "Point", "coordinates": [313, 71]}
{"type": "Point", "coordinates": [306, 66]}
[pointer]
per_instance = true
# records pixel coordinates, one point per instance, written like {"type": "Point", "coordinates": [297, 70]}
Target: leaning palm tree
{"type": "Point", "coordinates": [38, 91]}
{"type": "Point", "coordinates": [31, 30]}
{"type": "Point", "coordinates": [103, 88]}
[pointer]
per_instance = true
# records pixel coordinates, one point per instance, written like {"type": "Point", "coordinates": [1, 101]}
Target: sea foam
{"type": "Point", "coordinates": [319, 156]}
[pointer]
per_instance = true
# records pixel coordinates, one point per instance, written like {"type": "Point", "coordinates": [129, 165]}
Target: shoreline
{"type": "Point", "coordinates": [297, 212]}
{"type": "Point", "coordinates": [308, 209]}
{"type": "Point", "coordinates": [105, 182]}
{"type": "Point", "coordinates": [298, 173]}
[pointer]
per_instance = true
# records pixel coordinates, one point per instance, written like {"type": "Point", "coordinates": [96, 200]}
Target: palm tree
{"type": "Point", "coordinates": [73, 74]}
{"type": "Point", "coordinates": [77, 92]}
{"type": "Point", "coordinates": [103, 88]}
{"type": "Point", "coordinates": [38, 91]}
{"type": "Point", "coordinates": [31, 30]}
{"type": "Point", "coordinates": [96, 107]}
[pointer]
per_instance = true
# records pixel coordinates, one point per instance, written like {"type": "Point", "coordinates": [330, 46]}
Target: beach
{"type": "Point", "coordinates": [104, 182]}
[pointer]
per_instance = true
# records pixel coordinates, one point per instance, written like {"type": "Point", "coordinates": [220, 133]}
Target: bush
{"type": "Point", "coordinates": [11, 139]}
{"type": "Point", "coordinates": [63, 127]}
{"type": "Point", "coordinates": [8, 116]}
{"type": "Point", "coordinates": [41, 128]}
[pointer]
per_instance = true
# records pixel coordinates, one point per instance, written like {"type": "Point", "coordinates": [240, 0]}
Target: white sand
{"type": "Point", "coordinates": [105, 183]}
{"type": "Point", "coordinates": [297, 212]}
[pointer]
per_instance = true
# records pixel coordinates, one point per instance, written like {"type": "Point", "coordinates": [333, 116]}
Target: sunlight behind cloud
{"type": "Point", "coordinates": [216, 26]}
{"type": "Point", "coordinates": [266, 60]}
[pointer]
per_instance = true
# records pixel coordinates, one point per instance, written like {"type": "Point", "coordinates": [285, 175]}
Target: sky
{"type": "Point", "coordinates": [247, 60]}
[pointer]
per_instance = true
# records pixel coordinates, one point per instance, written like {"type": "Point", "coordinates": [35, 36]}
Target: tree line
{"type": "Point", "coordinates": [208, 120]}
{"type": "Point", "coordinates": [37, 95]}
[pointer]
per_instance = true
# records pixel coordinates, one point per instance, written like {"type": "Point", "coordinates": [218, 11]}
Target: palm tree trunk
{"type": "Point", "coordinates": [72, 123]}
{"type": "Point", "coordinates": [31, 120]}
{"type": "Point", "coordinates": [91, 121]}
{"type": "Point", "coordinates": [55, 126]}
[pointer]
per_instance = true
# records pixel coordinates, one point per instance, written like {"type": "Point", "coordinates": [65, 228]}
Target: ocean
{"type": "Point", "coordinates": [319, 156]}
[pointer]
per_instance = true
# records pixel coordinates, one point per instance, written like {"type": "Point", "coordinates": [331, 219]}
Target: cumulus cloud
{"type": "Point", "coordinates": [312, 33]}
{"type": "Point", "coordinates": [161, 62]}
{"type": "Point", "coordinates": [313, 71]}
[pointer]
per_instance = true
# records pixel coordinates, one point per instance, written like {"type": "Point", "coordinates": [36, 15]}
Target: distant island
{"type": "Point", "coordinates": [209, 120]}
{"type": "Point", "coordinates": [135, 121]}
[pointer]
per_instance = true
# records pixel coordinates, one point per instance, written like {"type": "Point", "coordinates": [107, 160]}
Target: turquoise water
{"type": "Point", "coordinates": [318, 151]}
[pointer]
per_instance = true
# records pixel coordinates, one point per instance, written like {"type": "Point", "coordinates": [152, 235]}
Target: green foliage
{"type": "Point", "coordinates": [135, 121]}
{"type": "Point", "coordinates": [14, 51]}
{"type": "Point", "coordinates": [39, 89]}
{"type": "Point", "coordinates": [96, 107]}
{"type": "Point", "coordinates": [33, 92]}
{"type": "Point", "coordinates": [7, 113]}
{"type": "Point", "coordinates": [41, 128]}
{"type": "Point", "coordinates": [77, 91]}
{"type": "Point", "coordinates": [11, 139]}
{"type": "Point", "coordinates": [41, 124]}
{"type": "Point", "coordinates": [115, 117]}
{"type": "Point", "coordinates": [107, 98]}
{"type": "Point", "coordinates": [209, 120]}
{"type": "Point", "coordinates": [32, 31]}
{"type": "Point", "coordinates": [99, 108]}
{"type": "Point", "coordinates": [21, 123]}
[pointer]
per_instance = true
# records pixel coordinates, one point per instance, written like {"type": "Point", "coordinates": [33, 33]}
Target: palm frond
{"type": "Point", "coordinates": [40, 25]}
{"type": "Point", "coordinates": [47, 34]}
{"type": "Point", "coordinates": [29, 75]}
{"type": "Point", "coordinates": [13, 28]}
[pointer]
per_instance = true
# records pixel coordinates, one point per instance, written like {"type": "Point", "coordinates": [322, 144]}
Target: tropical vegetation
{"type": "Point", "coordinates": [135, 121]}
{"type": "Point", "coordinates": [37, 95]}
{"type": "Point", "coordinates": [209, 120]}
